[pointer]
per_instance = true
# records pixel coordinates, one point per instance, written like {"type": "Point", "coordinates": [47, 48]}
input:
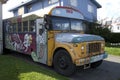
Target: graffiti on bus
{"type": "Point", "coordinates": [21, 42]}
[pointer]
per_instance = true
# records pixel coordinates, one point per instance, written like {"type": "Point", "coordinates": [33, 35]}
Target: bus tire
{"type": "Point", "coordinates": [1, 53]}
{"type": "Point", "coordinates": [96, 64]}
{"type": "Point", "coordinates": [63, 63]}
{"type": "Point", "coordinates": [6, 51]}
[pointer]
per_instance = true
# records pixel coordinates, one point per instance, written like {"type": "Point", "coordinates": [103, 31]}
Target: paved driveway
{"type": "Point", "coordinates": [109, 70]}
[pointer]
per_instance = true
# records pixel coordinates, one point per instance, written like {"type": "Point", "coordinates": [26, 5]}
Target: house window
{"type": "Point", "coordinates": [29, 8]}
{"type": "Point", "coordinates": [73, 3]}
{"type": "Point", "coordinates": [21, 11]}
{"type": "Point", "coordinates": [52, 1]}
{"type": "Point", "coordinates": [118, 27]}
{"type": "Point", "coordinates": [90, 8]}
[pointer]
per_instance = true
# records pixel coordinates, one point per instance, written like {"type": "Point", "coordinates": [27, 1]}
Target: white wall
{"type": "Point", "coordinates": [115, 28]}
{"type": "Point", "coordinates": [1, 40]}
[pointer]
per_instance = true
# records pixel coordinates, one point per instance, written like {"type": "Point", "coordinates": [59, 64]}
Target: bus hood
{"type": "Point", "coordinates": [76, 38]}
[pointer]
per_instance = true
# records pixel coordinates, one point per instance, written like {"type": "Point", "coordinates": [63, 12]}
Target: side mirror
{"type": "Point", "coordinates": [47, 19]}
{"type": "Point", "coordinates": [47, 22]}
{"type": "Point", "coordinates": [47, 26]}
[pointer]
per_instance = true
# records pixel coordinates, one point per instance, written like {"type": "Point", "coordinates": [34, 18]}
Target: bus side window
{"type": "Point", "coordinates": [6, 26]}
{"type": "Point", "coordinates": [10, 29]}
{"type": "Point", "coordinates": [14, 27]}
{"type": "Point", "coordinates": [25, 26]}
{"type": "Point", "coordinates": [32, 25]}
{"type": "Point", "coordinates": [19, 27]}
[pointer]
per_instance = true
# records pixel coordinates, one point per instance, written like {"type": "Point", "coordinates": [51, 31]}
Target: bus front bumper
{"type": "Point", "coordinates": [91, 59]}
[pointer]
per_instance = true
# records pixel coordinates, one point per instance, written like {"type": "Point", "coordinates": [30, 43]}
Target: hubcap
{"type": "Point", "coordinates": [62, 63]}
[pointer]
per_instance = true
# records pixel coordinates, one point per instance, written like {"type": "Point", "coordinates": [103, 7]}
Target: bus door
{"type": "Point", "coordinates": [41, 41]}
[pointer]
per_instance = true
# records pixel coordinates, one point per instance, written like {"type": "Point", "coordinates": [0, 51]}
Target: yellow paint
{"type": "Point", "coordinates": [74, 49]}
{"type": "Point", "coordinates": [52, 46]}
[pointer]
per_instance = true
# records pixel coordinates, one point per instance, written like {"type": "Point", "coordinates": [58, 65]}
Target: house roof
{"type": "Point", "coordinates": [31, 1]}
{"type": "Point", "coordinates": [96, 3]}
{"type": "Point", "coordinates": [23, 3]}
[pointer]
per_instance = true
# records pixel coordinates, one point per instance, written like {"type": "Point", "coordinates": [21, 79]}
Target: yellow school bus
{"type": "Point", "coordinates": [56, 38]}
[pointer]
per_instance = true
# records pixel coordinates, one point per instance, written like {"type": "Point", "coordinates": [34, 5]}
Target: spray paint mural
{"type": "Point", "coordinates": [29, 42]}
{"type": "Point", "coordinates": [24, 43]}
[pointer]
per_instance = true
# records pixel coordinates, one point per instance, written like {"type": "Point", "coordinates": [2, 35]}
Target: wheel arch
{"type": "Point", "coordinates": [61, 48]}
{"type": "Point", "coordinates": [69, 68]}
{"type": "Point", "coordinates": [57, 49]}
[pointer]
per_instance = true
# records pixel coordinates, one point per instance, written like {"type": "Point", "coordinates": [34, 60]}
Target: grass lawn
{"type": "Point", "coordinates": [113, 50]}
{"type": "Point", "coordinates": [12, 68]}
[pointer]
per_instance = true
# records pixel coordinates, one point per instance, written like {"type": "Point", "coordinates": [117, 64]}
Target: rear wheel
{"type": "Point", "coordinates": [63, 63]}
{"type": "Point", "coordinates": [96, 64]}
{"type": "Point", "coordinates": [6, 51]}
{"type": "Point", "coordinates": [2, 52]}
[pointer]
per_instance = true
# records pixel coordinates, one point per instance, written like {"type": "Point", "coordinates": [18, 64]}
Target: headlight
{"type": "Point", "coordinates": [82, 48]}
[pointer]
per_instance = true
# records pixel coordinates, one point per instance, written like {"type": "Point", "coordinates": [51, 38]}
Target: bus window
{"type": "Point", "coordinates": [14, 27]}
{"type": "Point", "coordinates": [10, 29]}
{"type": "Point", "coordinates": [61, 25]}
{"type": "Point", "coordinates": [25, 26]}
{"type": "Point", "coordinates": [19, 27]}
{"type": "Point", "coordinates": [32, 25]}
{"type": "Point", "coordinates": [76, 25]}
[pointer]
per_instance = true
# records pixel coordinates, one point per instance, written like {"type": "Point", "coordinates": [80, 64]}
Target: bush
{"type": "Point", "coordinates": [106, 34]}
{"type": "Point", "coordinates": [114, 38]}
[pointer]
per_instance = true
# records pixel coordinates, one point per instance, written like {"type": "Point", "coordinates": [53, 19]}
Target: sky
{"type": "Point", "coordinates": [9, 5]}
{"type": "Point", "coordinates": [110, 8]}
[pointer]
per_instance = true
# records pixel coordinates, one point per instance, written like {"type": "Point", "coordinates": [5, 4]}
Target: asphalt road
{"type": "Point", "coordinates": [108, 70]}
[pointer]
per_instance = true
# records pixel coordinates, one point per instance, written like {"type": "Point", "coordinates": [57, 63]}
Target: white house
{"type": "Point", "coordinates": [112, 24]}
{"type": "Point", "coordinates": [115, 27]}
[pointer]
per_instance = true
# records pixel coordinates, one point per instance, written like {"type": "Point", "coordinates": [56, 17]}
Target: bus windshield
{"type": "Point", "coordinates": [67, 24]}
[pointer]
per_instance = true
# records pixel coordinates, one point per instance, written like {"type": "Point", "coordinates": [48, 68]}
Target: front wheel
{"type": "Point", "coordinates": [96, 64]}
{"type": "Point", "coordinates": [63, 63]}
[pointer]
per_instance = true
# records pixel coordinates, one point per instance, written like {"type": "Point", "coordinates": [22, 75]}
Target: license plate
{"type": "Point", "coordinates": [96, 58]}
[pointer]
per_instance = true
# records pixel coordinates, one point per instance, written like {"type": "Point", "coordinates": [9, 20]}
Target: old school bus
{"type": "Point", "coordinates": [56, 38]}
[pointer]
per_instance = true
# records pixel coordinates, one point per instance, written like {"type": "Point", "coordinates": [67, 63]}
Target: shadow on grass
{"type": "Point", "coordinates": [21, 67]}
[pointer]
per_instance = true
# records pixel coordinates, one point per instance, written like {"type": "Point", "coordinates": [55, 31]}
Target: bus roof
{"type": "Point", "coordinates": [66, 12]}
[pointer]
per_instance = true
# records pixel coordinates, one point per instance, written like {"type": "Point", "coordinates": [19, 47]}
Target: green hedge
{"type": "Point", "coordinates": [106, 34]}
{"type": "Point", "coordinates": [114, 38]}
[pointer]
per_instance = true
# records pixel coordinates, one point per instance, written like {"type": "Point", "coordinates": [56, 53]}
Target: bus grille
{"type": "Point", "coordinates": [94, 47]}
